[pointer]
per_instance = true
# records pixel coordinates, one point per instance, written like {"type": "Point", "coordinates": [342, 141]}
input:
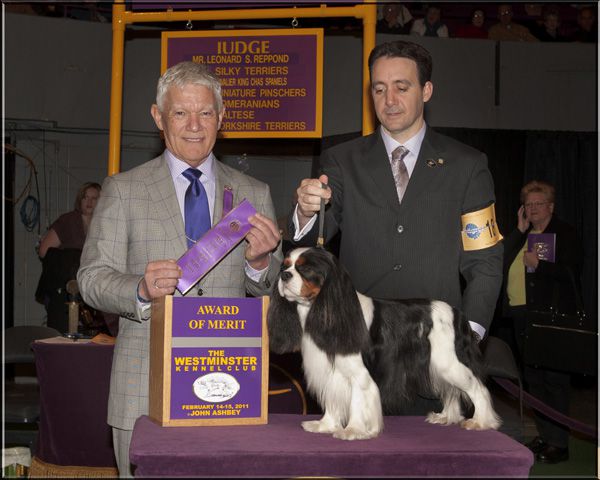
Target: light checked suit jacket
{"type": "Point", "coordinates": [138, 220]}
{"type": "Point", "coordinates": [413, 249]}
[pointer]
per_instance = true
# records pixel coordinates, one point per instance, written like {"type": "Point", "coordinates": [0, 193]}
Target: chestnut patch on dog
{"type": "Point", "coordinates": [309, 289]}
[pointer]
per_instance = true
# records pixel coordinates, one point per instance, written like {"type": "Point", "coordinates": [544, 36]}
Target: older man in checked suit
{"type": "Point", "coordinates": [138, 231]}
{"type": "Point", "coordinates": [415, 209]}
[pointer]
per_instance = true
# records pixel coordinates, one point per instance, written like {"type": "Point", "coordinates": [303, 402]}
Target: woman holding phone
{"type": "Point", "coordinates": [530, 280]}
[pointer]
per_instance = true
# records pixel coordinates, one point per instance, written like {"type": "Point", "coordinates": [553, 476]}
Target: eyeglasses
{"type": "Point", "coordinates": [535, 204]}
{"type": "Point", "coordinates": [506, 12]}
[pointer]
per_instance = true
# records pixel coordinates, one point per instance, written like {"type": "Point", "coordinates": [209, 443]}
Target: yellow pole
{"type": "Point", "coordinates": [116, 89]}
{"type": "Point", "coordinates": [322, 11]}
{"type": "Point", "coordinates": [369, 24]}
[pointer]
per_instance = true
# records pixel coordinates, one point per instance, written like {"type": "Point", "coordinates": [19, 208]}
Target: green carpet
{"type": "Point", "coordinates": [582, 463]}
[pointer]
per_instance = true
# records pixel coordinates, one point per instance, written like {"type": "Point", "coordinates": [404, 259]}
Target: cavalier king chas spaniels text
{"type": "Point", "coordinates": [364, 358]}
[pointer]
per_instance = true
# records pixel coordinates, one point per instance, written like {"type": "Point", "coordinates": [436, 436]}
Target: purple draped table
{"type": "Point", "coordinates": [74, 379]}
{"type": "Point", "coordinates": [408, 447]}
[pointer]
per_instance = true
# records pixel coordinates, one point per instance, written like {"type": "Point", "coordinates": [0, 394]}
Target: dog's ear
{"type": "Point", "coordinates": [283, 321]}
{"type": "Point", "coordinates": [335, 321]}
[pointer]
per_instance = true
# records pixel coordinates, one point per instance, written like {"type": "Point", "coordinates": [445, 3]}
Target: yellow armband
{"type": "Point", "coordinates": [479, 229]}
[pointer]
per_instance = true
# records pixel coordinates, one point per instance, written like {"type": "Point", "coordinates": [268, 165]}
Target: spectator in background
{"type": "Point", "coordinates": [48, 9]}
{"type": "Point", "coordinates": [533, 19]}
{"type": "Point", "coordinates": [70, 229]}
{"type": "Point", "coordinates": [550, 32]}
{"type": "Point", "coordinates": [587, 29]}
{"type": "Point", "coordinates": [506, 29]}
{"type": "Point", "coordinates": [533, 290]}
{"type": "Point", "coordinates": [475, 28]}
{"type": "Point", "coordinates": [393, 18]}
{"type": "Point", "coordinates": [60, 252]}
{"type": "Point", "coordinates": [431, 25]}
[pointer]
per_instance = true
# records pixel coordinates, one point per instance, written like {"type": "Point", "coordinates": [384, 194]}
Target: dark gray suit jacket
{"type": "Point", "coordinates": [413, 249]}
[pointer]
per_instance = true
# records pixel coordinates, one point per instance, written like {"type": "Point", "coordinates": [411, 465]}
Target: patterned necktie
{"type": "Point", "coordinates": [399, 170]}
{"type": "Point", "coordinates": [197, 214]}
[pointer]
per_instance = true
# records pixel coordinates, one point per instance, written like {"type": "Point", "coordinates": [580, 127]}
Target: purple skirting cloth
{"type": "Point", "coordinates": [408, 447]}
{"type": "Point", "coordinates": [74, 380]}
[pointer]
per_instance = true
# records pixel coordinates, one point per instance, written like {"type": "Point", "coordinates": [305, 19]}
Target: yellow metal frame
{"type": "Point", "coordinates": [316, 32]}
{"type": "Point", "coordinates": [122, 17]}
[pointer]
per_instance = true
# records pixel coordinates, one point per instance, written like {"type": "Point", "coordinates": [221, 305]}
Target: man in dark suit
{"type": "Point", "coordinates": [410, 226]}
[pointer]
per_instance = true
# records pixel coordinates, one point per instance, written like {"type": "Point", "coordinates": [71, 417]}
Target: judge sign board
{"type": "Point", "coordinates": [272, 80]}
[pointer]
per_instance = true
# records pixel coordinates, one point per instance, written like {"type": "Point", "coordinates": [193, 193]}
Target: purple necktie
{"type": "Point", "coordinates": [197, 214]}
{"type": "Point", "coordinates": [399, 170]}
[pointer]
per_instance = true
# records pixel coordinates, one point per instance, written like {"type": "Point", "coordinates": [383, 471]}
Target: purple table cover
{"type": "Point", "coordinates": [408, 447]}
{"type": "Point", "coordinates": [74, 380]}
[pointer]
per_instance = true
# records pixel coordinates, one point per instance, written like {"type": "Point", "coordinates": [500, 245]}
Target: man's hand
{"type": "Point", "coordinates": [309, 195]}
{"type": "Point", "coordinates": [522, 220]}
{"type": "Point", "coordinates": [530, 259]}
{"type": "Point", "coordinates": [160, 279]}
{"type": "Point", "coordinates": [262, 239]}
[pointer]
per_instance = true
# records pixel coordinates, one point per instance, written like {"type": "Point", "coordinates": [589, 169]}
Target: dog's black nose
{"type": "Point", "coordinates": [285, 276]}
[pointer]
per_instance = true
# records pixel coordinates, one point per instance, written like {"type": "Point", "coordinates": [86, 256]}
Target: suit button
{"type": "Point", "coordinates": [400, 228]}
{"type": "Point", "coordinates": [200, 292]}
{"type": "Point", "coordinates": [397, 267]}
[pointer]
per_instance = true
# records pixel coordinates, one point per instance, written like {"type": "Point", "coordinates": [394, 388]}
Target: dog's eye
{"type": "Point", "coordinates": [283, 267]}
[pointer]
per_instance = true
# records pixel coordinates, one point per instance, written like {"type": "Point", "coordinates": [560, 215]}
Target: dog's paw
{"type": "Point", "coordinates": [317, 426]}
{"type": "Point", "coordinates": [437, 418]}
{"type": "Point", "coordinates": [472, 424]}
{"type": "Point", "coordinates": [353, 434]}
{"type": "Point", "coordinates": [443, 419]}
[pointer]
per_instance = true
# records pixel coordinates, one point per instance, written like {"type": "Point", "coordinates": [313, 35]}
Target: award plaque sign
{"type": "Point", "coordinates": [209, 361]}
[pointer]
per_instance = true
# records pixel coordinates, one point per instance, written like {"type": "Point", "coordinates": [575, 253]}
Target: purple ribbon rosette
{"type": "Point", "coordinates": [214, 245]}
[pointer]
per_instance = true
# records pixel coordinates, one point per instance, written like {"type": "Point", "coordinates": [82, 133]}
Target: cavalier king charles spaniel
{"type": "Point", "coordinates": [364, 358]}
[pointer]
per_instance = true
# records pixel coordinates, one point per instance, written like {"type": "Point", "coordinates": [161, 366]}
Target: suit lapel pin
{"type": "Point", "coordinates": [431, 163]}
{"type": "Point", "coordinates": [440, 161]}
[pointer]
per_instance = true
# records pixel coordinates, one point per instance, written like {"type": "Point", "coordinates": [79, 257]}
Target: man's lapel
{"type": "Point", "coordinates": [164, 200]}
{"type": "Point", "coordinates": [429, 165]}
{"type": "Point", "coordinates": [220, 183]}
